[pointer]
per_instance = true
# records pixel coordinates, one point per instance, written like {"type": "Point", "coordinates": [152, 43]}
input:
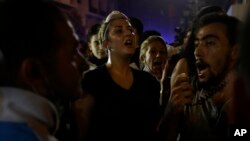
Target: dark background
{"type": "Point", "coordinates": [165, 15]}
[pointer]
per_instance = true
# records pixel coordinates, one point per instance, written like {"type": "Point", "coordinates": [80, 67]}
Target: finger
{"type": "Point", "coordinates": [180, 79]}
{"type": "Point", "coordinates": [178, 104]}
{"type": "Point", "coordinates": [188, 100]}
{"type": "Point", "coordinates": [180, 100]}
{"type": "Point", "coordinates": [182, 88]}
{"type": "Point", "coordinates": [181, 95]}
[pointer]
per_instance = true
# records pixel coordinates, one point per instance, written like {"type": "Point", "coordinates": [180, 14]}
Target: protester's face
{"type": "Point", "coordinates": [96, 48]}
{"type": "Point", "coordinates": [155, 57]}
{"type": "Point", "coordinates": [66, 75]}
{"type": "Point", "coordinates": [212, 52]}
{"type": "Point", "coordinates": [121, 40]}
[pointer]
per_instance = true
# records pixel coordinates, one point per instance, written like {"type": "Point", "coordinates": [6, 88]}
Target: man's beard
{"type": "Point", "coordinates": [216, 82]}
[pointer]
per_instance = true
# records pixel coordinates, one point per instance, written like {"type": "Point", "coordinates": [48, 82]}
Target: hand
{"type": "Point", "coordinates": [181, 93]}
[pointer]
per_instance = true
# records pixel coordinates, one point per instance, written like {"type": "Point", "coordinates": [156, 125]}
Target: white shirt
{"type": "Point", "coordinates": [18, 105]}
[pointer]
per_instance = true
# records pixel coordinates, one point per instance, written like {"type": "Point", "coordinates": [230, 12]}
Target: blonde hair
{"type": "Point", "coordinates": [114, 15]}
{"type": "Point", "coordinates": [145, 46]}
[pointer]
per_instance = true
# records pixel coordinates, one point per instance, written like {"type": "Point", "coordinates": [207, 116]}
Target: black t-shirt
{"type": "Point", "coordinates": [98, 62]}
{"type": "Point", "coordinates": [121, 114]}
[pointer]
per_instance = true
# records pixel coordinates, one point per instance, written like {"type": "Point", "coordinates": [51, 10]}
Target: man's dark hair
{"type": "Point", "coordinates": [137, 24]}
{"type": "Point", "coordinates": [27, 30]}
{"type": "Point", "coordinates": [208, 10]}
{"type": "Point", "coordinates": [232, 25]}
{"type": "Point", "coordinates": [94, 29]}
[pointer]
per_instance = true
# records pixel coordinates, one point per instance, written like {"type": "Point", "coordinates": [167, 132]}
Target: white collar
{"type": "Point", "coordinates": [19, 105]}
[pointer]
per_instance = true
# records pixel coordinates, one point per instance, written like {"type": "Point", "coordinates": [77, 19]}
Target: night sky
{"type": "Point", "coordinates": [160, 15]}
